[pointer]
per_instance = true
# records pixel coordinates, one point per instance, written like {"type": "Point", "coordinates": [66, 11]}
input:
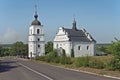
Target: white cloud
{"type": "Point", "coordinates": [10, 36]}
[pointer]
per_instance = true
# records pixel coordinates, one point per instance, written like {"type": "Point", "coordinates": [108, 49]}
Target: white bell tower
{"type": "Point", "coordinates": [36, 43]}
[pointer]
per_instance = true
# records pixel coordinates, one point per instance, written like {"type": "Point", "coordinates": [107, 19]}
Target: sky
{"type": "Point", "coordinates": [100, 18]}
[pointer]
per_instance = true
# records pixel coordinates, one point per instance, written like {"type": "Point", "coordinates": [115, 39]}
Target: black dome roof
{"type": "Point", "coordinates": [36, 22]}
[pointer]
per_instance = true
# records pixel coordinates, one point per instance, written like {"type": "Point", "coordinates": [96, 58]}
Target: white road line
{"type": "Point", "coordinates": [35, 71]}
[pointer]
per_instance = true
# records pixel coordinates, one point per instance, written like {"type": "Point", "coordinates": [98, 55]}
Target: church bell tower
{"type": "Point", "coordinates": [36, 43]}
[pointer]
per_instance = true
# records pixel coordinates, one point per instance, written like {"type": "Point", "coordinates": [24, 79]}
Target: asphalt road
{"type": "Point", "coordinates": [14, 69]}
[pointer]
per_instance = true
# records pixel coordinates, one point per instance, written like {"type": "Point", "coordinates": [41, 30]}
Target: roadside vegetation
{"type": "Point", "coordinates": [16, 49]}
{"type": "Point", "coordinates": [110, 61]}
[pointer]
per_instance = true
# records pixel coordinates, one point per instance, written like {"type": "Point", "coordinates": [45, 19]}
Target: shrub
{"type": "Point", "coordinates": [82, 61]}
{"type": "Point", "coordinates": [115, 63]}
{"type": "Point", "coordinates": [72, 53]}
{"type": "Point", "coordinates": [64, 59]}
{"type": "Point", "coordinates": [115, 50]}
{"type": "Point", "coordinates": [89, 62]}
{"type": "Point", "coordinates": [96, 63]}
{"type": "Point", "coordinates": [41, 58]}
{"type": "Point", "coordinates": [50, 57]}
{"type": "Point", "coordinates": [57, 60]}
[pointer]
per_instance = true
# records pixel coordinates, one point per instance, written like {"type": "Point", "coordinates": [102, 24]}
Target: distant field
{"type": "Point", "coordinates": [107, 44]}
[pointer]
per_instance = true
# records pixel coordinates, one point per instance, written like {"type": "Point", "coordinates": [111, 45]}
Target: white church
{"type": "Point", "coordinates": [36, 43]}
{"type": "Point", "coordinates": [79, 40]}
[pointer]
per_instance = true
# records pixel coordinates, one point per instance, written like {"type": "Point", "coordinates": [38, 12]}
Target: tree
{"type": "Point", "coordinates": [48, 47]}
{"type": "Point", "coordinates": [50, 57]}
{"type": "Point", "coordinates": [115, 50]}
{"type": "Point", "coordinates": [72, 53]}
{"type": "Point", "coordinates": [1, 52]}
{"type": "Point", "coordinates": [102, 48]}
{"type": "Point", "coordinates": [19, 48]}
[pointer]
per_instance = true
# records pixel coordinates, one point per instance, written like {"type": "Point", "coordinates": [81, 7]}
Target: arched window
{"type": "Point", "coordinates": [38, 39]}
{"type": "Point", "coordinates": [79, 48]}
{"type": "Point", "coordinates": [38, 46]}
{"type": "Point", "coordinates": [87, 47]}
{"type": "Point", "coordinates": [38, 31]}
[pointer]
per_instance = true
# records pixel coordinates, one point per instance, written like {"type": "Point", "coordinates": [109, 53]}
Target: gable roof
{"type": "Point", "coordinates": [78, 35]}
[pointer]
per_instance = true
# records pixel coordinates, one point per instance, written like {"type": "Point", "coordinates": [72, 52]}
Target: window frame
{"type": "Point", "coordinates": [38, 31]}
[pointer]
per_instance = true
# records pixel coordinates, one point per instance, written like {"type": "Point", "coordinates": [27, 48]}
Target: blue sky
{"type": "Point", "coordinates": [101, 18]}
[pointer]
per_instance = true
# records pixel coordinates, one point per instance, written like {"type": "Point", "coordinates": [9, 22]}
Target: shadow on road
{"type": "Point", "coordinates": [7, 66]}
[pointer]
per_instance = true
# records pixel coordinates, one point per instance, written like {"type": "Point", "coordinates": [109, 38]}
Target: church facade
{"type": "Point", "coordinates": [36, 43]}
{"type": "Point", "coordinates": [79, 40]}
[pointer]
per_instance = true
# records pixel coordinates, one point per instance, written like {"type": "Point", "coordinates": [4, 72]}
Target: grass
{"type": "Point", "coordinates": [104, 59]}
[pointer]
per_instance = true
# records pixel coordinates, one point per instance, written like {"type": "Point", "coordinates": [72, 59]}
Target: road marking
{"type": "Point", "coordinates": [35, 71]}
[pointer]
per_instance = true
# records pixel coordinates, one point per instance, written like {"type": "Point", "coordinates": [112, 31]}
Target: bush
{"type": "Point", "coordinates": [64, 59]}
{"type": "Point", "coordinates": [89, 62]}
{"type": "Point", "coordinates": [95, 63]}
{"type": "Point", "coordinates": [41, 58]}
{"type": "Point", "coordinates": [115, 50]}
{"type": "Point", "coordinates": [82, 61]}
{"type": "Point", "coordinates": [115, 63]}
{"type": "Point", "coordinates": [50, 57]}
{"type": "Point", "coordinates": [72, 53]}
{"type": "Point", "coordinates": [57, 60]}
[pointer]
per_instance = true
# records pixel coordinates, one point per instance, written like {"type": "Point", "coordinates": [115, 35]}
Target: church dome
{"type": "Point", "coordinates": [36, 22]}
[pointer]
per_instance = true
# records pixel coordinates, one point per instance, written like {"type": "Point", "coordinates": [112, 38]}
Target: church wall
{"type": "Point", "coordinates": [84, 49]}
{"type": "Point", "coordinates": [32, 49]}
{"type": "Point", "coordinates": [62, 41]}
{"type": "Point", "coordinates": [64, 45]}
{"type": "Point", "coordinates": [36, 38]}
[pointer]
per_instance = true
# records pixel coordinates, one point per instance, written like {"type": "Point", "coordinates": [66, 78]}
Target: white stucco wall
{"type": "Point", "coordinates": [33, 41]}
{"type": "Point", "coordinates": [61, 40]}
{"type": "Point", "coordinates": [64, 45]}
{"type": "Point", "coordinates": [86, 49]}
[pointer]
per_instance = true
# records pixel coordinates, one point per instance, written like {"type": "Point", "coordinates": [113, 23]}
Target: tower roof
{"type": "Point", "coordinates": [36, 22]}
{"type": "Point", "coordinates": [74, 25]}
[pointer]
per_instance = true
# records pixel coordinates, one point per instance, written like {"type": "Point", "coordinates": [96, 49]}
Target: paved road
{"type": "Point", "coordinates": [12, 69]}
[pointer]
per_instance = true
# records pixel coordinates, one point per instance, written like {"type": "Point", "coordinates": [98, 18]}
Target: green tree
{"type": "Point", "coordinates": [50, 57]}
{"type": "Point", "coordinates": [19, 48]}
{"type": "Point", "coordinates": [102, 48]}
{"type": "Point", "coordinates": [48, 47]}
{"type": "Point", "coordinates": [115, 50]}
{"type": "Point", "coordinates": [1, 52]}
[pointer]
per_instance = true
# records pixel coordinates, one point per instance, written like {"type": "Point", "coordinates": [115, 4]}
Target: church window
{"type": "Point", "coordinates": [87, 47]}
{"type": "Point", "coordinates": [79, 48]}
{"type": "Point", "coordinates": [38, 46]}
{"type": "Point", "coordinates": [38, 39]}
{"type": "Point", "coordinates": [38, 31]}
